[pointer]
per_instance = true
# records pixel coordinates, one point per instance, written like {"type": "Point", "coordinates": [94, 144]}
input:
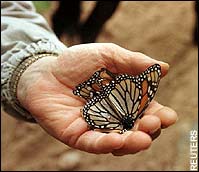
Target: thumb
{"type": "Point", "coordinates": [126, 61]}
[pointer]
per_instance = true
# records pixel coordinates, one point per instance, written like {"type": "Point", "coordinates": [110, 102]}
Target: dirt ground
{"type": "Point", "coordinates": [162, 30]}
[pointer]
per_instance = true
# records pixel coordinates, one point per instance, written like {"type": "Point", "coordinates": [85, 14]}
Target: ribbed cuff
{"type": "Point", "coordinates": [13, 69]}
{"type": "Point", "coordinates": [14, 79]}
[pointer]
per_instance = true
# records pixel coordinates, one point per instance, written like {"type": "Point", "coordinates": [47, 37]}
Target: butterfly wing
{"type": "Point", "coordinates": [149, 81]}
{"type": "Point", "coordinates": [94, 85]}
{"type": "Point", "coordinates": [153, 74]}
{"type": "Point", "coordinates": [99, 114]}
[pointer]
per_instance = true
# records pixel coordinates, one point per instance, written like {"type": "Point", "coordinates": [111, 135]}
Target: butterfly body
{"type": "Point", "coordinates": [127, 122]}
{"type": "Point", "coordinates": [122, 100]}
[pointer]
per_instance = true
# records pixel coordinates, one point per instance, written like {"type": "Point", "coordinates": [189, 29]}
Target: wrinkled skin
{"type": "Point", "coordinates": [45, 90]}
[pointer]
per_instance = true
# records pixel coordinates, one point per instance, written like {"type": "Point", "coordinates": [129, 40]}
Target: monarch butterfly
{"type": "Point", "coordinates": [122, 101]}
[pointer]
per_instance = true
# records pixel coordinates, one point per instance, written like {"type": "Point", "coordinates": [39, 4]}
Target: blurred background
{"type": "Point", "coordinates": [163, 30]}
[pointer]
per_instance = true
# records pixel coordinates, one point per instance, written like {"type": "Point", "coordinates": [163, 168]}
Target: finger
{"type": "Point", "coordinates": [73, 131]}
{"type": "Point", "coordinates": [97, 142]}
{"type": "Point", "coordinates": [167, 115]}
{"type": "Point", "coordinates": [134, 141]}
{"type": "Point", "coordinates": [149, 124]}
{"type": "Point", "coordinates": [153, 107]}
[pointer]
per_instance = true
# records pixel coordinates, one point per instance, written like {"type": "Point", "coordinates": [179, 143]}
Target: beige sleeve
{"type": "Point", "coordinates": [24, 32]}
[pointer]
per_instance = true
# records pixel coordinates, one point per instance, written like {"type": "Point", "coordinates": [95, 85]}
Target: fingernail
{"type": "Point", "coordinates": [155, 134]}
{"type": "Point", "coordinates": [153, 131]}
{"type": "Point", "coordinates": [166, 65]}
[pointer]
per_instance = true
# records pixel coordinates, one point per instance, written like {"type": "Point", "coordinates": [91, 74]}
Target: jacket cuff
{"type": "Point", "coordinates": [30, 53]}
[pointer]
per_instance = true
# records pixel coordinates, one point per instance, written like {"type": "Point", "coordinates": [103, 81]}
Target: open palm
{"type": "Point", "coordinates": [45, 90]}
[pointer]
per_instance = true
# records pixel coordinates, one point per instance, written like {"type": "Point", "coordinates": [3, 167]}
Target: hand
{"type": "Point", "coordinates": [45, 90]}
